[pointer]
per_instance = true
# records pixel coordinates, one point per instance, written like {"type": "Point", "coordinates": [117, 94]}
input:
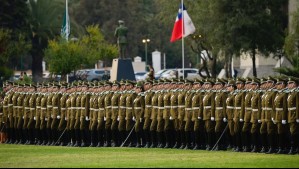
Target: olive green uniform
{"type": "Point", "coordinates": [208, 109]}
{"type": "Point", "coordinates": [168, 125]}
{"type": "Point", "coordinates": [197, 107]}
{"type": "Point", "coordinates": [188, 118]}
{"type": "Point", "coordinates": [256, 105]}
{"type": "Point", "coordinates": [281, 109]}
{"type": "Point", "coordinates": [138, 113]}
{"type": "Point", "coordinates": [147, 116]}
{"type": "Point", "coordinates": [293, 116]}
{"type": "Point", "coordinates": [239, 104]}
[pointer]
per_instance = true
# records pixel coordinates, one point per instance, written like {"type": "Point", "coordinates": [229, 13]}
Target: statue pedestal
{"type": "Point", "coordinates": [122, 69]}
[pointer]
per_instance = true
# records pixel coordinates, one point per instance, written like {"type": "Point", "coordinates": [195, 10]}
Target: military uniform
{"type": "Point", "coordinates": [37, 116]}
{"type": "Point", "coordinates": [188, 116]}
{"type": "Point", "coordinates": [49, 119]}
{"type": "Point", "coordinates": [62, 118]}
{"type": "Point", "coordinates": [129, 114]}
{"type": "Point", "coordinates": [181, 115]}
{"type": "Point", "coordinates": [31, 122]}
{"type": "Point", "coordinates": [114, 115]}
{"type": "Point", "coordinates": [239, 105]}
{"type": "Point", "coordinates": [220, 114]}
{"type": "Point", "coordinates": [68, 115]}
{"type": "Point", "coordinates": [197, 107]}
{"type": "Point", "coordinates": [174, 116]}
{"type": "Point", "coordinates": [84, 118]}
{"type": "Point", "coordinates": [255, 121]}
{"type": "Point", "coordinates": [280, 118]}
{"type": "Point", "coordinates": [138, 109]}
{"type": "Point", "coordinates": [20, 116]}
{"type": "Point", "coordinates": [160, 124]}
{"type": "Point", "coordinates": [43, 131]}
{"type": "Point", "coordinates": [101, 118]}
{"type": "Point", "coordinates": [122, 115]}
{"type": "Point", "coordinates": [108, 116]}
{"type": "Point", "coordinates": [247, 118]}
{"type": "Point", "coordinates": [94, 107]}
{"type": "Point", "coordinates": [147, 116]}
{"type": "Point", "coordinates": [168, 124]}
{"type": "Point", "coordinates": [293, 116]}
{"type": "Point", "coordinates": [208, 109]}
{"type": "Point", "coordinates": [55, 116]}
{"type": "Point", "coordinates": [72, 118]}
{"type": "Point", "coordinates": [154, 114]}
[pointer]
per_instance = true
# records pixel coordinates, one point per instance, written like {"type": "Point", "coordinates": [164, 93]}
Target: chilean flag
{"type": "Point", "coordinates": [189, 27]}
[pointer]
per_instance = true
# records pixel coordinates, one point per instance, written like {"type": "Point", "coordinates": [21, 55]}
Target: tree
{"type": "Point", "coordinates": [256, 26]}
{"type": "Point", "coordinates": [64, 57]}
{"type": "Point", "coordinates": [44, 25]}
{"type": "Point", "coordinates": [11, 48]}
{"type": "Point", "coordinates": [291, 48]}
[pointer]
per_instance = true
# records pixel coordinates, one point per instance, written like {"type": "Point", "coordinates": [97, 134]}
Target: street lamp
{"type": "Point", "coordinates": [146, 41]}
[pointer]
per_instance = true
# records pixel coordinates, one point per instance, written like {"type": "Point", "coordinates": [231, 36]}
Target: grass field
{"type": "Point", "coordinates": [12, 156]}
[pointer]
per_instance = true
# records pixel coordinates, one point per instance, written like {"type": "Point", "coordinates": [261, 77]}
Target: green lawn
{"type": "Point", "coordinates": [38, 156]}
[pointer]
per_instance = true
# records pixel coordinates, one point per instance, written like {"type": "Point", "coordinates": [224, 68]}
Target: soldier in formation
{"type": "Point", "coordinates": [257, 115]}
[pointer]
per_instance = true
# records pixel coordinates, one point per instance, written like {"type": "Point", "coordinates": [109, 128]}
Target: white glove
{"type": "Point", "coordinates": [34, 118]}
{"type": "Point", "coordinates": [23, 117]}
{"type": "Point", "coordinates": [58, 117]}
{"type": "Point", "coordinates": [284, 122]}
{"type": "Point", "coordinates": [104, 118]}
{"type": "Point", "coordinates": [259, 121]}
{"type": "Point", "coordinates": [46, 119]}
{"type": "Point", "coordinates": [8, 116]}
{"type": "Point", "coordinates": [212, 118]}
{"type": "Point", "coordinates": [117, 118]}
{"type": "Point", "coordinates": [199, 118]}
{"type": "Point", "coordinates": [86, 118]}
{"type": "Point", "coordinates": [134, 119]}
{"type": "Point", "coordinates": [65, 119]}
{"type": "Point", "coordinates": [224, 120]}
{"type": "Point", "coordinates": [140, 120]}
{"type": "Point", "coordinates": [170, 118]}
{"type": "Point", "coordinates": [273, 121]}
{"type": "Point", "coordinates": [297, 120]}
{"type": "Point", "coordinates": [52, 116]}
{"type": "Point", "coordinates": [241, 120]}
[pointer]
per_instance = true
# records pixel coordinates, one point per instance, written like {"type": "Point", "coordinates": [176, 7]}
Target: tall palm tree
{"type": "Point", "coordinates": [45, 23]}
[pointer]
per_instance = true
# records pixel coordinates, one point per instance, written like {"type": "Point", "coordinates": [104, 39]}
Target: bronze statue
{"type": "Point", "coordinates": [121, 34]}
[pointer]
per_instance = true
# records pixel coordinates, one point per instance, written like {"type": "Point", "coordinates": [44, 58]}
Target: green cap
{"type": "Point", "coordinates": [240, 80]}
{"type": "Point", "coordinates": [293, 80]}
{"type": "Point", "coordinates": [139, 85]}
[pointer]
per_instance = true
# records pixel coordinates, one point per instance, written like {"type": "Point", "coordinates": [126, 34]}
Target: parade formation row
{"type": "Point", "coordinates": [248, 115]}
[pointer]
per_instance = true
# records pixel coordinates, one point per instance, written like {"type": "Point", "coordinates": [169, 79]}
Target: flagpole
{"type": "Point", "coordinates": [67, 15]}
{"type": "Point", "coordinates": [183, 45]}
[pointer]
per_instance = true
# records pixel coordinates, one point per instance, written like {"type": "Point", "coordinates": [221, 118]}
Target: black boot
{"type": "Point", "coordinates": [107, 138]}
{"type": "Point", "coordinates": [167, 138]}
{"type": "Point", "coordinates": [92, 139]}
{"type": "Point", "coordinates": [281, 149]}
{"type": "Point", "coordinates": [238, 142]}
{"type": "Point", "coordinates": [177, 139]}
{"type": "Point", "coordinates": [153, 139]}
{"type": "Point", "coordinates": [197, 141]}
{"type": "Point", "coordinates": [188, 140]}
{"type": "Point", "coordinates": [138, 137]}
{"type": "Point", "coordinates": [147, 139]}
{"type": "Point", "coordinates": [254, 142]}
{"type": "Point", "coordinates": [245, 140]}
{"type": "Point", "coordinates": [294, 146]}
{"type": "Point", "coordinates": [183, 139]}
{"type": "Point", "coordinates": [271, 144]}
{"type": "Point", "coordinates": [264, 143]}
